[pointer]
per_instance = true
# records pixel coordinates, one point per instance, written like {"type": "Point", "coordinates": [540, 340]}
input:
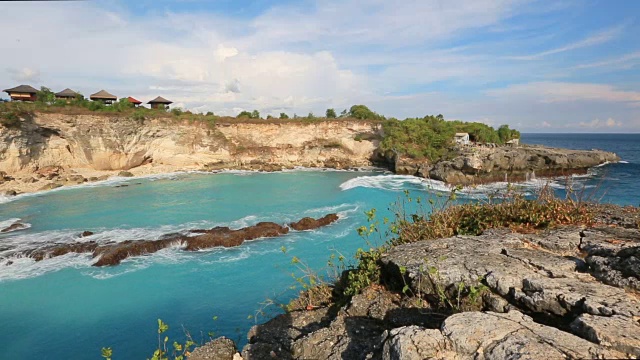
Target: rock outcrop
{"type": "Point", "coordinates": [114, 253]}
{"type": "Point", "coordinates": [567, 292]}
{"type": "Point", "coordinates": [53, 150]}
{"type": "Point", "coordinates": [51, 146]}
{"type": "Point", "coordinates": [475, 165]}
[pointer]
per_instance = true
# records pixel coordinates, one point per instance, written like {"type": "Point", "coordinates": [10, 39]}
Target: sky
{"type": "Point", "coordinates": [538, 66]}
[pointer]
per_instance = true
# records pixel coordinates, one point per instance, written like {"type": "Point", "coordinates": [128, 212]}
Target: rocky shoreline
{"type": "Point", "coordinates": [568, 292]}
{"type": "Point", "coordinates": [113, 253]}
{"type": "Point", "coordinates": [54, 150]}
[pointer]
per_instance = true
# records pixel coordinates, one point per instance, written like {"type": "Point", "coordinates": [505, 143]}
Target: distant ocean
{"type": "Point", "coordinates": [614, 183]}
{"type": "Point", "coordinates": [63, 308]}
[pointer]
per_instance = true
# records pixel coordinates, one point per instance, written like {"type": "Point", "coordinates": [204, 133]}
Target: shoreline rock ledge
{"type": "Point", "coordinates": [564, 293]}
{"type": "Point", "coordinates": [474, 165]}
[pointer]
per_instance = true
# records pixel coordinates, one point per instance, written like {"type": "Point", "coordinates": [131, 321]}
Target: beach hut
{"type": "Point", "coordinates": [22, 93]}
{"type": "Point", "coordinates": [134, 101]}
{"type": "Point", "coordinates": [66, 94]}
{"type": "Point", "coordinates": [513, 142]}
{"type": "Point", "coordinates": [103, 96]}
{"type": "Point", "coordinates": [160, 103]}
{"type": "Point", "coordinates": [462, 138]}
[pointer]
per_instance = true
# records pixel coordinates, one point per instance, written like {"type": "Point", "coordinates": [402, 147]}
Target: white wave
{"type": "Point", "coordinates": [623, 162]}
{"type": "Point", "coordinates": [17, 267]}
{"type": "Point", "coordinates": [393, 183]}
{"type": "Point", "coordinates": [603, 164]}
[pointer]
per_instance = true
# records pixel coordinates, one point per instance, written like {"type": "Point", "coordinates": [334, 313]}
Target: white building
{"type": "Point", "coordinates": [462, 138]}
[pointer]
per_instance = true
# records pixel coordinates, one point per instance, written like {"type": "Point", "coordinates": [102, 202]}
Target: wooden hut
{"type": "Point", "coordinates": [134, 101]}
{"type": "Point", "coordinates": [22, 93]}
{"type": "Point", "coordinates": [66, 94]}
{"type": "Point", "coordinates": [103, 96]}
{"type": "Point", "coordinates": [160, 103]}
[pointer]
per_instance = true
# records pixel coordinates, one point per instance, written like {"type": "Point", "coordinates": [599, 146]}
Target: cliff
{"type": "Point", "coordinates": [477, 164]}
{"type": "Point", "coordinates": [50, 150]}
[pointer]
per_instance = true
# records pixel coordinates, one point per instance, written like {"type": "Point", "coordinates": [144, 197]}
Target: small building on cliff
{"type": "Point", "coordinates": [160, 103]}
{"type": "Point", "coordinates": [66, 94]}
{"type": "Point", "coordinates": [134, 101]}
{"type": "Point", "coordinates": [22, 93]}
{"type": "Point", "coordinates": [103, 96]}
{"type": "Point", "coordinates": [462, 138]}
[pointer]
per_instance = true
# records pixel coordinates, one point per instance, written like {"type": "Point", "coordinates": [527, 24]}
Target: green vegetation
{"type": "Point", "coordinates": [431, 137]}
{"type": "Point", "coordinates": [331, 114]}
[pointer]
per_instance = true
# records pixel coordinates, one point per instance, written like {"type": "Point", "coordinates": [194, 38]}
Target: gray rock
{"type": "Point", "coordinates": [416, 343]}
{"type": "Point", "coordinates": [617, 332]}
{"type": "Point", "coordinates": [218, 349]}
{"type": "Point", "coordinates": [514, 335]}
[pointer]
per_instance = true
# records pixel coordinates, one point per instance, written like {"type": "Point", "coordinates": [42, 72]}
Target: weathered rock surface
{"type": "Point", "coordinates": [219, 349]}
{"type": "Point", "coordinates": [51, 146]}
{"type": "Point", "coordinates": [311, 223]}
{"type": "Point", "coordinates": [545, 299]}
{"type": "Point", "coordinates": [481, 164]}
{"type": "Point", "coordinates": [114, 253]}
{"type": "Point", "coordinates": [14, 227]}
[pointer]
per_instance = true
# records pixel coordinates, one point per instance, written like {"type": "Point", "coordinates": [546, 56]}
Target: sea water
{"type": "Point", "coordinates": [63, 308]}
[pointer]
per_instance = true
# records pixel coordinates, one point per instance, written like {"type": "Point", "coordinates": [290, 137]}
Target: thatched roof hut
{"type": "Point", "coordinates": [66, 94]}
{"type": "Point", "coordinates": [22, 93]}
{"type": "Point", "coordinates": [103, 96]}
{"type": "Point", "coordinates": [159, 103]}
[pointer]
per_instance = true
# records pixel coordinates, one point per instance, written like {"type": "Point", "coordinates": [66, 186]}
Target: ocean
{"type": "Point", "coordinates": [63, 308]}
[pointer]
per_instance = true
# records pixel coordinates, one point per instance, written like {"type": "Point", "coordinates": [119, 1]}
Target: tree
{"type": "Point", "coordinates": [362, 112]}
{"type": "Point", "coordinates": [245, 114]}
{"type": "Point", "coordinates": [284, 116]}
{"type": "Point", "coordinates": [45, 95]}
{"type": "Point", "coordinates": [343, 113]}
{"type": "Point", "coordinates": [331, 114]}
{"type": "Point", "coordinates": [504, 133]}
{"type": "Point", "coordinates": [311, 116]}
{"type": "Point", "coordinates": [209, 113]}
{"type": "Point", "coordinates": [255, 114]}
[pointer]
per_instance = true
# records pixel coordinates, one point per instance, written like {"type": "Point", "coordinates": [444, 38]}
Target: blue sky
{"type": "Point", "coordinates": [540, 66]}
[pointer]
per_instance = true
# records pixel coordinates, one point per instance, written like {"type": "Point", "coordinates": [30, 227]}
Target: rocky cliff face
{"type": "Point", "coordinates": [472, 165]}
{"type": "Point", "coordinates": [55, 143]}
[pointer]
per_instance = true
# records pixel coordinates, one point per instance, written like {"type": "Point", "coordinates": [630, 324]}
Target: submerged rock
{"type": "Point", "coordinates": [311, 223]}
{"type": "Point", "coordinates": [14, 227]}
{"type": "Point", "coordinates": [114, 253]}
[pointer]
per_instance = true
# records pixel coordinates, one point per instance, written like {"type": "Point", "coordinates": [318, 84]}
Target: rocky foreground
{"type": "Point", "coordinates": [565, 293]}
{"type": "Point", "coordinates": [109, 254]}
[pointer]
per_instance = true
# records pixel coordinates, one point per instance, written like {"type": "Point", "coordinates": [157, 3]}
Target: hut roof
{"type": "Point", "coordinates": [134, 100]}
{"type": "Point", "coordinates": [160, 100]}
{"type": "Point", "coordinates": [22, 89]}
{"type": "Point", "coordinates": [67, 93]}
{"type": "Point", "coordinates": [103, 95]}
{"type": "Point", "coordinates": [461, 134]}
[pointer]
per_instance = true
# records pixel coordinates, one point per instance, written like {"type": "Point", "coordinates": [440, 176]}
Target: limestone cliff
{"type": "Point", "coordinates": [48, 145]}
{"type": "Point", "coordinates": [478, 164]}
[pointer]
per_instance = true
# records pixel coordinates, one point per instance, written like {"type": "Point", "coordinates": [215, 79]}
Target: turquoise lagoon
{"type": "Point", "coordinates": [63, 308]}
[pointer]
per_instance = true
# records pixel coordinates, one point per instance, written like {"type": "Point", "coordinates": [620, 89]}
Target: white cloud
{"type": "Point", "coordinates": [552, 92]}
{"type": "Point", "coordinates": [596, 39]}
{"type": "Point", "coordinates": [597, 123]}
{"type": "Point", "coordinates": [24, 75]}
{"type": "Point", "coordinates": [625, 61]}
